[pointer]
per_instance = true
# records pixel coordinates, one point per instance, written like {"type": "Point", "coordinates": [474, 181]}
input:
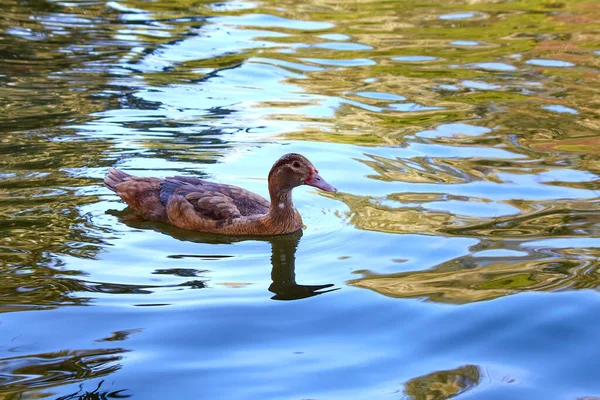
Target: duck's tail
{"type": "Point", "coordinates": [114, 177]}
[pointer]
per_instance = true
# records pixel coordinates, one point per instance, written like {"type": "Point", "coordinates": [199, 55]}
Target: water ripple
{"type": "Point", "coordinates": [464, 143]}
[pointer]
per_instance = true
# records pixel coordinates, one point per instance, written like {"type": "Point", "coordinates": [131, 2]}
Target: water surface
{"type": "Point", "coordinates": [460, 257]}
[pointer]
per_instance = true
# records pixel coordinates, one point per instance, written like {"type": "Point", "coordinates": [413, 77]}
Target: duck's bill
{"type": "Point", "coordinates": [318, 182]}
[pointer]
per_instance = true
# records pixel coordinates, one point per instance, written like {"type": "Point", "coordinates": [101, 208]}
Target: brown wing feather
{"type": "Point", "coordinates": [246, 202]}
{"type": "Point", "coordinates": [213, 205]}
{"type": "Point", "coordinates": [192, 207]}
{"type": "Point", "coordinates": [207, 206]}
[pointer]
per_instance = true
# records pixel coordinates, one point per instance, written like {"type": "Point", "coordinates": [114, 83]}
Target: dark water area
{"type": "Point", "coordinates": [460, 257]}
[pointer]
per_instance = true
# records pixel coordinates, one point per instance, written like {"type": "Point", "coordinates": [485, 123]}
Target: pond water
{"type": "Point", "coordinates": [460, 257]}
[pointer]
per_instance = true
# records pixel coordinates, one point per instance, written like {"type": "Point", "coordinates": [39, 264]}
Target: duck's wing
{"type": "Point", "coordinates": [209, 200]}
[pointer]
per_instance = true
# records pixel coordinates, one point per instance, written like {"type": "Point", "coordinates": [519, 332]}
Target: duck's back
{"type": "Point", "coordinates": [238, 200]}
{"type": "Point", "coordinates": [187, 202]}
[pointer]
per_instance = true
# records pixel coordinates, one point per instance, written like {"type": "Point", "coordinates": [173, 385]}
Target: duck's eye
{"type": "Point", "coordinates": [296, 164]}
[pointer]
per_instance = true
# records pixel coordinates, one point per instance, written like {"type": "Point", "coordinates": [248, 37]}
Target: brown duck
{"type": "Point", "coordinates": [198, 205]}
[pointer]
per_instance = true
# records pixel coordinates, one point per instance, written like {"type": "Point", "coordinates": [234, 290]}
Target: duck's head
{"type": "Point", "coordinates": [293, 170]}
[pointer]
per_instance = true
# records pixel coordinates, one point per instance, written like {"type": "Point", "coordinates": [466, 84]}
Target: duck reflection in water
{"type": "Point", "coordinates": [283, 260]}
{"type": "Point", "coordinates": [283, 255]}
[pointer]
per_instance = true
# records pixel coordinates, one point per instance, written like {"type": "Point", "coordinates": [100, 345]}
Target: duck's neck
{"type": "Point", "coordinates": [282, 217]}
{"type": "Point", "coordinates": [282, 206]}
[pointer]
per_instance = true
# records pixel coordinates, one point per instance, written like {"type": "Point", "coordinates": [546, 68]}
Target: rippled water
{"type": "Point", "coordinates": [460, 257]}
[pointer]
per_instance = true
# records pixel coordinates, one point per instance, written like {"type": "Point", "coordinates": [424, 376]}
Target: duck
{"type": "Point", "coordinates": [199, 205]}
